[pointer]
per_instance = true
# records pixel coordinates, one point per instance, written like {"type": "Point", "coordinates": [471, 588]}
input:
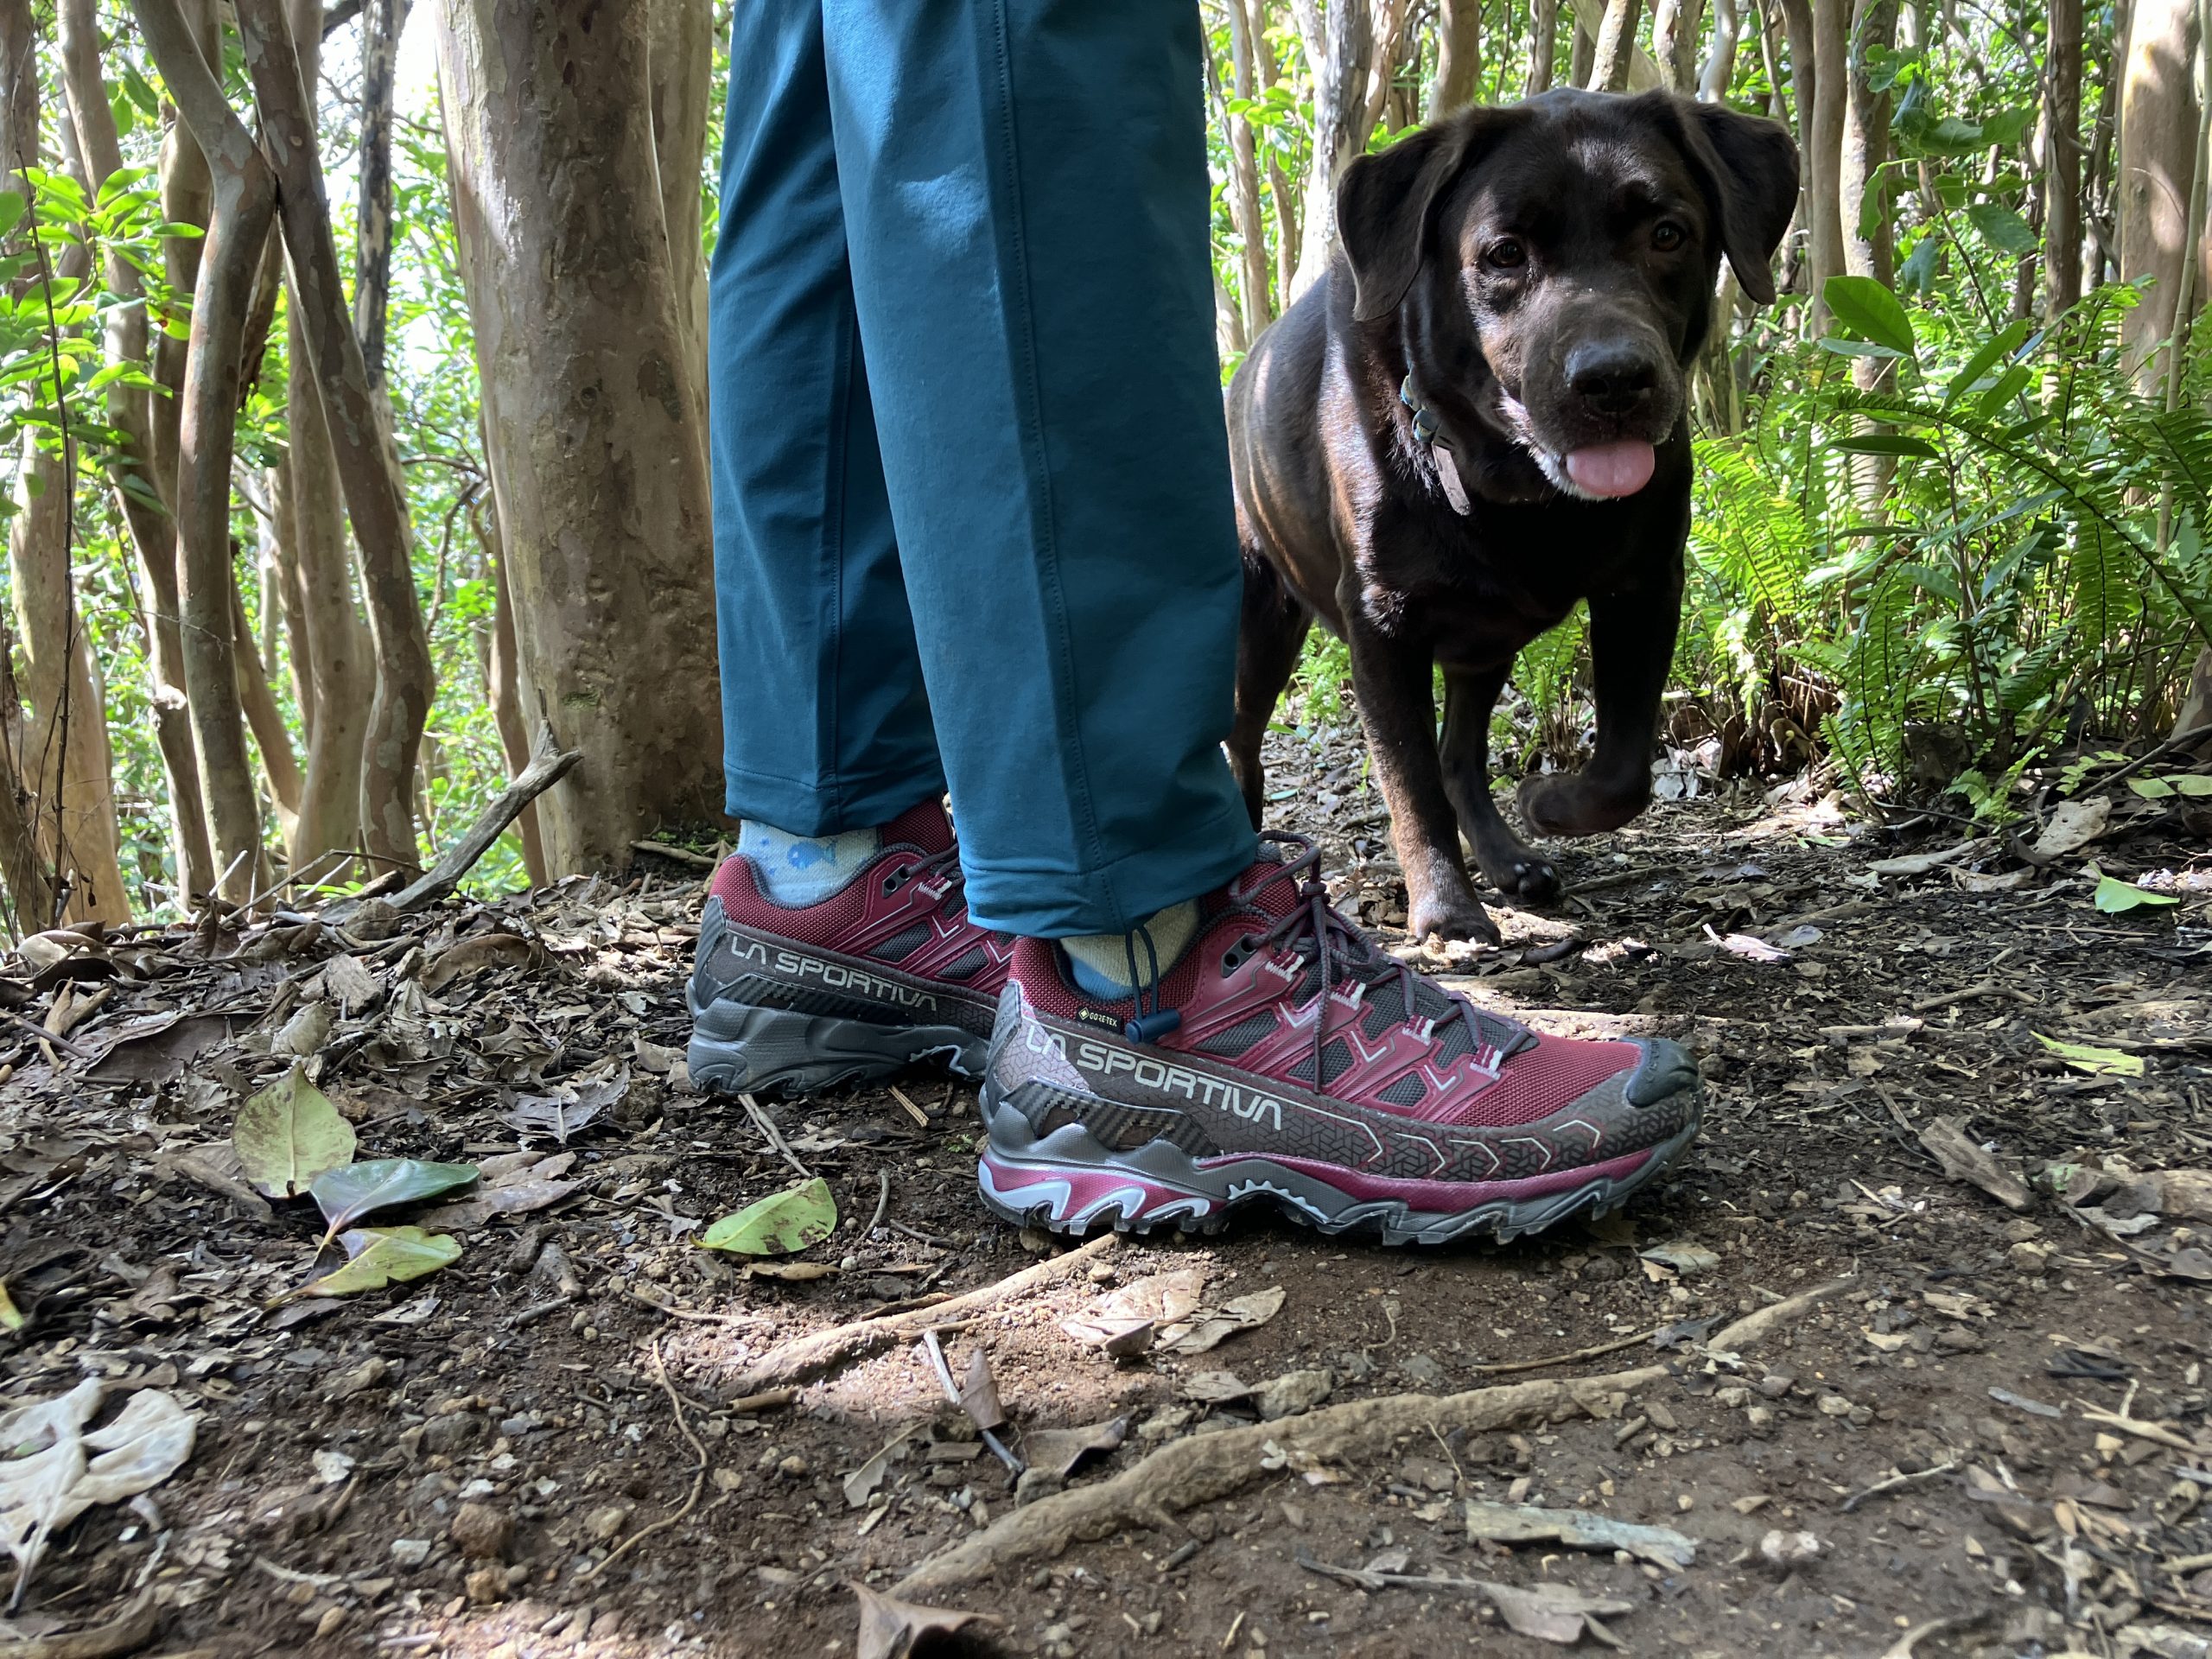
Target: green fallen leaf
{"type": "Point", "coordinates": [289, 1133]}
{"type": "Point", "coordinates": [11, 1316]}
{"type": "Point", "coordinates": [790, 1220]}
{"type": "Point", "coordinates": [384, 1255]}
{"type": "Point", "coordinates": [2114, 896]}
{"type": "Point", "coordinates": [2097, 1061]}
{"type": "Point", "coordinates": [2195, 785]}
{"type": "Point", "coordinates": [346, 1195]}
{"type": "Point", "coordinates": [2151, 788]}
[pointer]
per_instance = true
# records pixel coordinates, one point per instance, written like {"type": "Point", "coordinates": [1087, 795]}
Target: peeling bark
{"type": "Point", "coordinates": [596, 450]}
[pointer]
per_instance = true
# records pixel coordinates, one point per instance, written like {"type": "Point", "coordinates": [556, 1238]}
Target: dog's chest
{"type": "Point", "coordinates": [1497, 578]}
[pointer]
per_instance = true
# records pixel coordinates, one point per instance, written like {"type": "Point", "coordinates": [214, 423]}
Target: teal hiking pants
{"type": "Point", "coordinates": [972, 519]}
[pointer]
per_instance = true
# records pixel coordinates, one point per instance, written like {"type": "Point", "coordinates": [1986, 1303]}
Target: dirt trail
{"type": "Point", "coordinates": [462, 1464]}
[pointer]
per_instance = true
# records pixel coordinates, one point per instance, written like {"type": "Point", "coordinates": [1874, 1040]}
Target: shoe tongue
{"type": "Point", "coordinates": [924, 826]}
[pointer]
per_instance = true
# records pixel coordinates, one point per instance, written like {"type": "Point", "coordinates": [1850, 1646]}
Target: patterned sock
{"type": "Point", "coordinates": [1101, 961]}
{"type": "Point", "coordinates": [802, 870]}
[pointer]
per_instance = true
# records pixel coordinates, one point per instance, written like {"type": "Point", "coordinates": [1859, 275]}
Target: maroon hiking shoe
{"type": "Point", "coordinates": [886, 971]}
{"type": "Point", "coordinates": [1429, 1118]}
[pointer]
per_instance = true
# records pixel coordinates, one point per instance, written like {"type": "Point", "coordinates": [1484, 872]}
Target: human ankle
{"type": "Point", "coordinates": [801, 870]}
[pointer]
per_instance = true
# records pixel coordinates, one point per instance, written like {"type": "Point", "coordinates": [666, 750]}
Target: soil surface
{"type": "Point", "coordinates": [1994, 1425]}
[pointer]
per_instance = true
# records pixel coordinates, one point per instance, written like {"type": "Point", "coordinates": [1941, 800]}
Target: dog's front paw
{"type": "Point", "coordinates": [1578, 805]}
{"type": "Point", "coordinates": [1531, 878]}
{"type": "Point", "coordinates": [1434, 915]}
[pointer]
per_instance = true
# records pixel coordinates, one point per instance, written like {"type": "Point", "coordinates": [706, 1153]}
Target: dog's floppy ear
{"type": "Point", "coordinates": [1750, 165]}
{"type": "Point", "coordinates": [1384, 200]}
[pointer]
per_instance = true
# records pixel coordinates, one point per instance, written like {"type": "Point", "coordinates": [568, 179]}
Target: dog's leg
{"type": "Point", "coordinates": [1271, 628]}
{"type": "Point", "coordinates": [1469, 696]}
{"type": "Point", "coordinates": [1393, 682]}
{"type": "Point", "coordinates": [1631, 647]}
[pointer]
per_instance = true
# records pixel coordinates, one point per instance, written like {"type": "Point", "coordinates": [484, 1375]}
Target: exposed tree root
{"type": "Point", "coordinates": [1201, 1467]}
{"type": "Point", "coordinates": [809, 1357]}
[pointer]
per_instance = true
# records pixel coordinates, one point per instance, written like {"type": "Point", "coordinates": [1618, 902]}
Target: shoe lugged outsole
{"type": "Point", "coordinates": [743, 1048]}
{"type": "Point", "coordinates": [1065, 1181]}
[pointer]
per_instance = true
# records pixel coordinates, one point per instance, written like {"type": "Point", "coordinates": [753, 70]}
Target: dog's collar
{"type": "Point", "coordinates": [1430, 432]}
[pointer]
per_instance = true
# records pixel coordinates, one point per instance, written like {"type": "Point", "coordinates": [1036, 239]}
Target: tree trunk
{"type": "Point", "coordinates": [505, 692]}
{"type": "Point", "coordinates": [368, 466]}
{"type": "Point", "coordinates": [1674, 42]}
{"type": "Point", "coordinates": [1643, 75]}
{"type": "Point", "coordinates": [381, 22]}
{"type": "Point", "coordinates": [1543, 45]}
{"type": "Point", "coordinates": [245, 198]}
{"type": "Point", "coordinates": [1339, 48]}
{"type": "Point", "coordinates": [29, 883]}
{"type": "Point", "coordinates": [337, 670]}
{"type": "Point", "coordinates": [1582, 56]}
{"type": "Point", "coordinates": [1869, 234]}
{"type": "Point", "coordinates": [597, 460]}
{"type": "Point", "coordinates": [679, 59]}
{"type": "Point", "coordinates": [1244, 176]}
{"type": "Point", "coordinates": [1458, 56]}
{"type": "Point", "coordinates": [1718, 74]}
{"type": "Point", "coordinates": [2100, 205]}
{"type": "Point", "coordinates": [1824, 150]}
{"type": "Point", "coordinates": [141, 490]}
{"type": "Point", "coordinates": [63, 761]}
{"type": "Point", "coordinates": [278, 764]}
{"type": "Point", "coordinates": [2157, 143]}
{"type": "Point", "coordinates": [1616, 41]}
{"type": "Point", "coordinates": [2061, 124]}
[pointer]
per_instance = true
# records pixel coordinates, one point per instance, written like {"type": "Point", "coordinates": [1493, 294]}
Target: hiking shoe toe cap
{"type": "Point", "coordinates": [1666, 1069]}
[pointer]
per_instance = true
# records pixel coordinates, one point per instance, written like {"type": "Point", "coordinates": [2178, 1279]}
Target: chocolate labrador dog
{"type": "Point", "coordinates": [1475, 420]}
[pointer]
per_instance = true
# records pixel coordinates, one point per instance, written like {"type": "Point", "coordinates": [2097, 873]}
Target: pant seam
{"type": "Point", "coordinates": [1022, 348]}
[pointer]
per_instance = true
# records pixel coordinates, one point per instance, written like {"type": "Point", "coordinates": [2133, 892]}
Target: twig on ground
{"type": "Point", "coordinates": [1893, 1482]}
{"type": "Point", "coordinates": [921, 1118]}
{"type": "Point", "coordinates": [675, 1312]}
{"type": "Point", "coordinates": [809, 1357]}
{"type": "Point", "coordinates": [882, 1198]}
{"type": "Point", "coordinates": [1201, 1467]}
{"type": "Point", "coordinates": [1902, 1647]}
{"type": "Point", "coordinates": [2189, 739]}
{"type": "Point", "coordinates": [1598, 1352]}
{"type": "Point", "coordinates": [698, 1480]}
{"type": "Point", "coordinates": [767, 1127]}
{"type": "Point", "coordinates": [548, 765]}
{"type": "Point", "coordinates": [676, 855]}
{"type": "Point", "coordinates": [127, 1632]}
{"type": "Point", "coordinates": [2143, 1431]}
{"type": "Point", "coordinates": [1613, 878]}
{"type": "Point", "coordinates": [1972, 993]}
{"type": "Point", "coordinates": [31, 1027]}
{"type": "Point", "coordinates": [933, 1351]}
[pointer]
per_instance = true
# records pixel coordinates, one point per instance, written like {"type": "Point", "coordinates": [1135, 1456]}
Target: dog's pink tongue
{"type": "Point", "coordinates": [1609, 469]}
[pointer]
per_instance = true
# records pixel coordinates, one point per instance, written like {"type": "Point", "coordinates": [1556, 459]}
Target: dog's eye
{"type": "Point", "coordinates": [1667, 236]}
{"type": "Point", "coordinates": [1507, 254]}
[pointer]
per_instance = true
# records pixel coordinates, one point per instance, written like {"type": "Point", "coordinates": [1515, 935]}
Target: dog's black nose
{"type": "Point", "coordinates": [1612, 378]}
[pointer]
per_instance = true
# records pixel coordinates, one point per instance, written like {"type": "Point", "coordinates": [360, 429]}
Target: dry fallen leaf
{"type": "Point", "coordinates": [1057, 1451]}
{"type": "Point", "coordinates": [1557, 1612]}
{"type": "Point", "coordinates": [2073, 825]}
{"type": "Point", "coordinates": [50, 1480]}
{"type": "Point", "coordinates": [1964, 1160]}
{"type": "Point", "coordinates": [1206, 1329]}
{"type": "Point", "coordinates": [890, 1627]}
{"type": "Point", "coordinates": [1130, 1309]}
